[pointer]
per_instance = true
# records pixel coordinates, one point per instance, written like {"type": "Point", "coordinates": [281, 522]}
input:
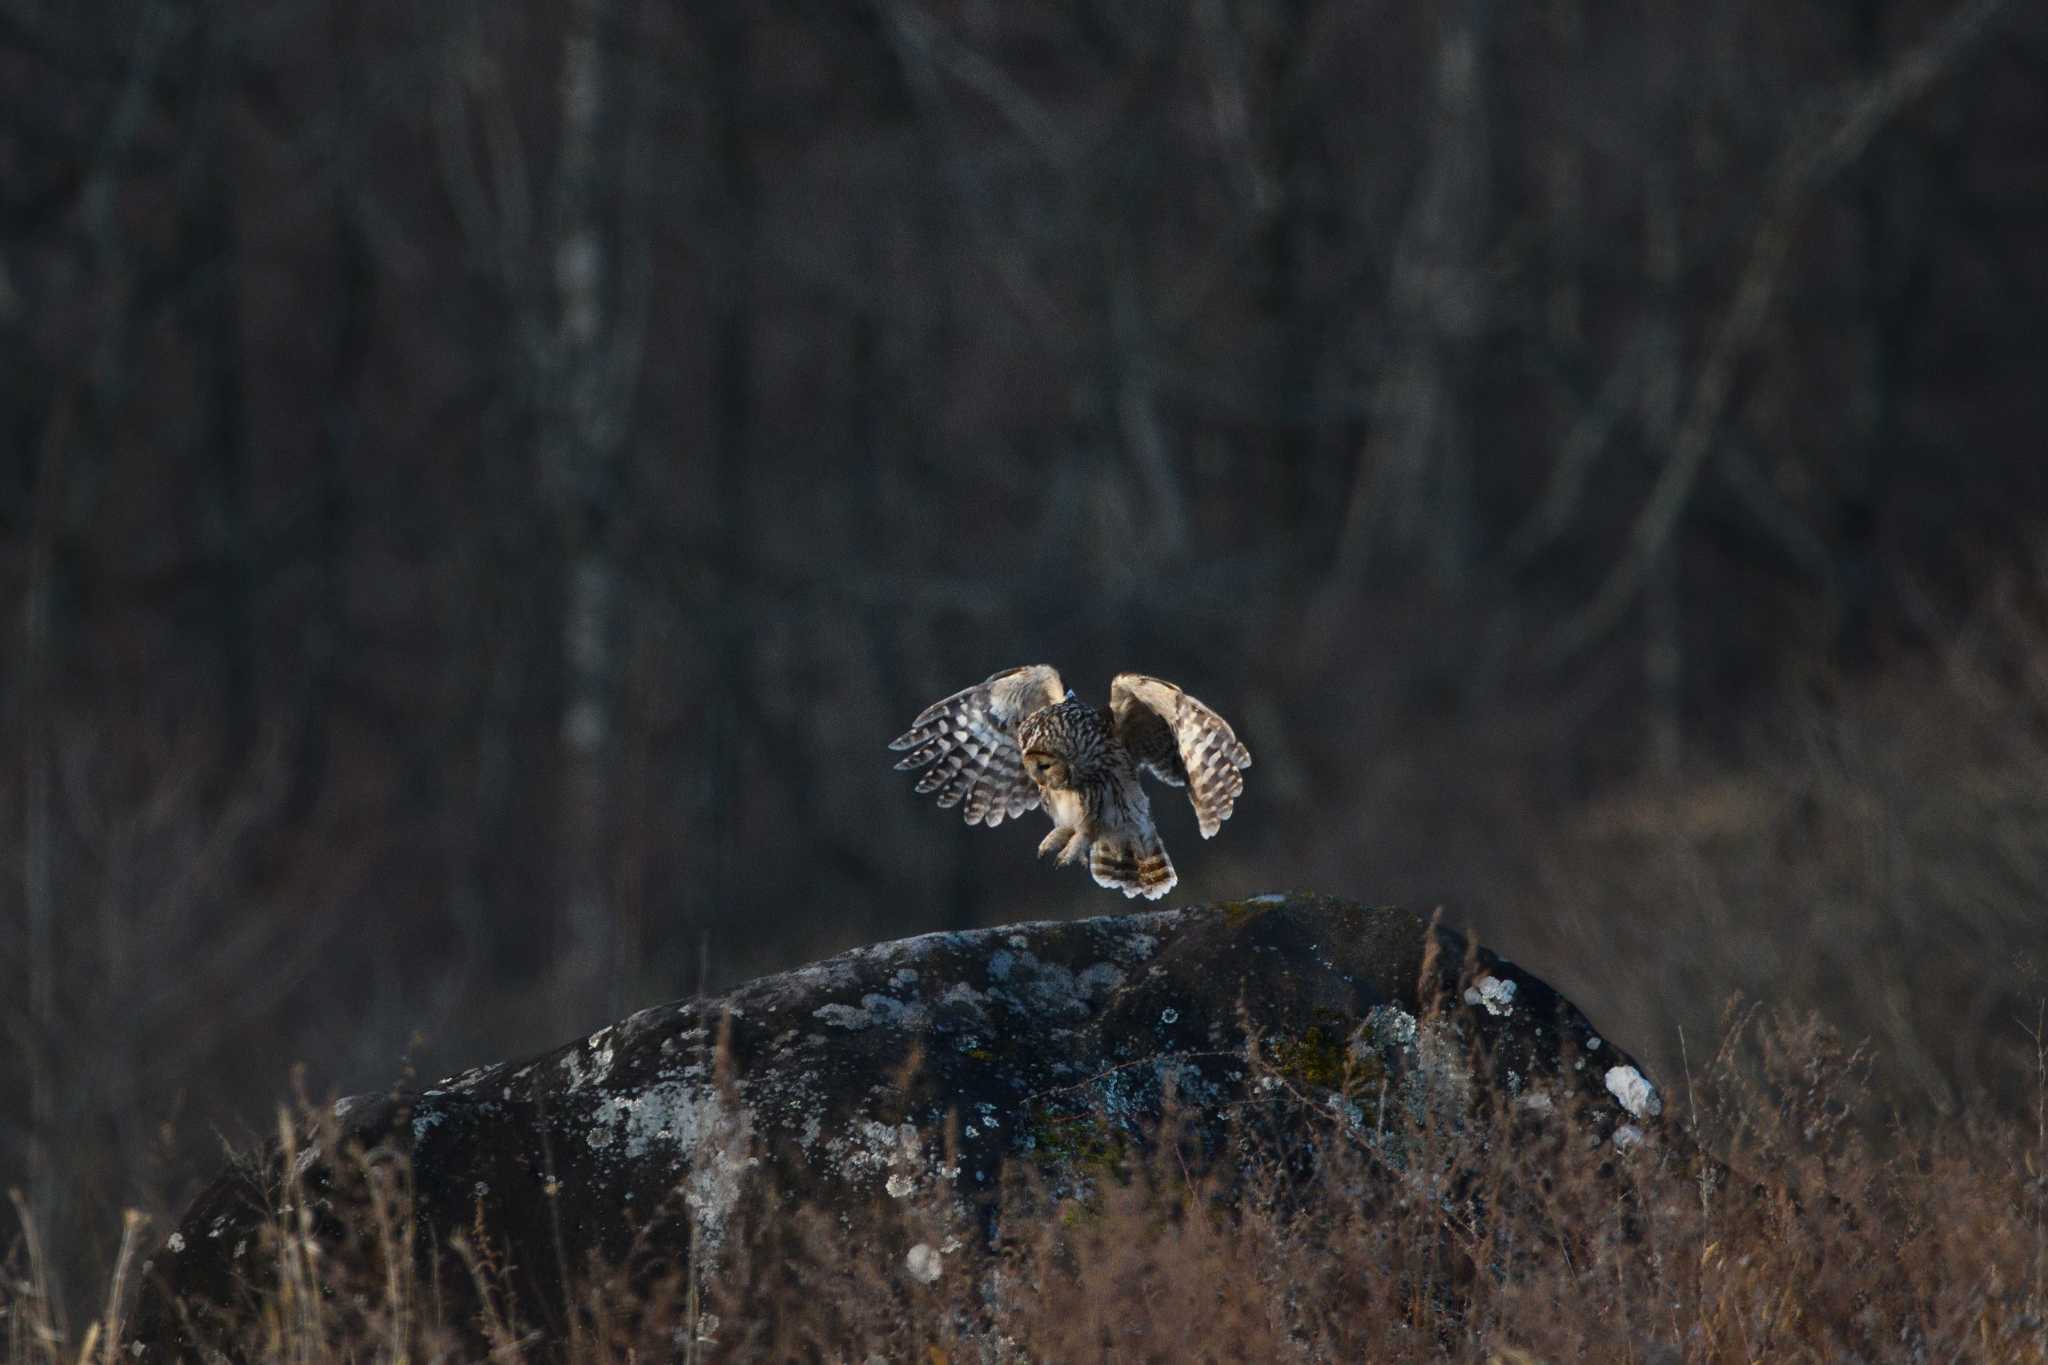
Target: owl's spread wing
{"type": "Point", "coordinates": [969, 744]}
{"type": "Point", "coordinates": [1179, 740]}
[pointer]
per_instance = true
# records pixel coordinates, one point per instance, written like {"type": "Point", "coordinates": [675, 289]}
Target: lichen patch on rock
{"type": "Point", "coordinates": [1634, 1091]}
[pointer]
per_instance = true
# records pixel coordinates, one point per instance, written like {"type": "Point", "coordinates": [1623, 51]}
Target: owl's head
{"type": "Point", "coordinates": [1048, 769]}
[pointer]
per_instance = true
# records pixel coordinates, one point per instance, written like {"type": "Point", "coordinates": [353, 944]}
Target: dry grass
{"type": "Point", "coordinates": [1876, 854]}
{"type": "Point", "coordinates": [1502, 1239]}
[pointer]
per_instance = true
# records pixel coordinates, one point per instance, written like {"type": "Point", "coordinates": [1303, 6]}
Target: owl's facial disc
{"type": "Point", "coordinates": [1045, 769]}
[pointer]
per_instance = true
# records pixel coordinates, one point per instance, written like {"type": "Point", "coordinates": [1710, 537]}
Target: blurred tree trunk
{"type": "Point", "coordinates": [1564, 183]}
{"type": "Point", "coordinates": [67, 474]}
{"type": "Point", "coordinates": [1663, 659]}
{"type": "Point", "coordinates": [224, 429]}
{"type": "Point", "coordinates": [1667, 117]}
{"type": "Point", "coordinates": [1134, 411]}
{"type": "Point", "coordinates": [580, 458]}
{"type": "Point", "coordinates": [1892, 288]}
{"type": "Point", "coordinates": [323, 634]}
{"type": "Point", "coordinates": [1413, 492]}
{"type": "Point", "coordinates": [1280, 192]}
{"type": "Point", "coordinates": [37, 741]}
{"type": "Point", "coordinates": [874, 414]}
{"type": "Point", "coordinates": [729, 61]}
{"type": "Point", "coordinates": [892, 393]}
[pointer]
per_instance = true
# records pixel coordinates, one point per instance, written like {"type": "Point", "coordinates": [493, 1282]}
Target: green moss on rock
{"type": "Point", "coordinates": [1331, 1054]}
{"type": "Point", "coordinates": [1080, 1144]}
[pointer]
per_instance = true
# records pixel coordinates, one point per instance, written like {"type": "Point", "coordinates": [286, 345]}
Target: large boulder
{"type": "Point", "coordinates": [921, 1068]}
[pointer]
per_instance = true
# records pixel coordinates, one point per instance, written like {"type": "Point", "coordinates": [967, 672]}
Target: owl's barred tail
{"type": "Point", "coordinates": [1133, 863]}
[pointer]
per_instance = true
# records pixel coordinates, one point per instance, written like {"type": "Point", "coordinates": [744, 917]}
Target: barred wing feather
{"type": "Point", "coordinates": [1180, 741]}
{"type": "Point", "coordinates": [967, 748]}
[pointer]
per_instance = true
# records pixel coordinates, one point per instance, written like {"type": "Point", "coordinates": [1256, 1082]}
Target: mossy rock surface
{"type": "Point", "coordinates": [923, 1068]}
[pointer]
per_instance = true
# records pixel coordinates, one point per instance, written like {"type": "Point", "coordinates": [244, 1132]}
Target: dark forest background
{"type": "Point", "coordinates": [480, 484]}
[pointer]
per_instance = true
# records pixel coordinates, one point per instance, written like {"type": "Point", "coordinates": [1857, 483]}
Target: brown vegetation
{"type": "Point", "coordinates": [1512, 1240]}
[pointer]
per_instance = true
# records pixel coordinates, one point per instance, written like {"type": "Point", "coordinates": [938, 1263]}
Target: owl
{"type": "Point", "coordinates": [1022, 739]}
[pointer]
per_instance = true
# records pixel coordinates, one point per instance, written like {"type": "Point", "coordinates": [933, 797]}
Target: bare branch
{"type": "Point", "coordinates": [1804, 167]}
{"type": "Point", "coordinates": [1559, 502]}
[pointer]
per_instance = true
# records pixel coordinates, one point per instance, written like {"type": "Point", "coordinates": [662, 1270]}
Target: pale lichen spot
{"type": "Point", "coordinates": [899, 1185]}
{"type": "Point", "coordinates": [177, 1242]}
{"type": "Point", "coordinates": [1390, 1025]}
{"type": "Point", "coordinates": [869, 1146]}
{"type": "Point", "coordinates": [842, 1016]}
{"type": "Point", "coordinates": [1495, 993]}
{"type": "Point", "coordinates": [466, 1080]}
{"type": "Point", "coordinates": [672, 1113]}
{"type": "Point", "coordinates": [574, 1074]}
{"type": "Point", "coordinates": [924, 1263]}
{"type": "Point", "coordinates": [960, 993]}
{"type": "Point", "coordinates": [1101, 978]}
{"type": "Point", "coordinates": [1634, 1091]}
{"type": "Point", "coordinates": [712, 1191]}
{"type": "Point", "coordinates": [874, 1009]}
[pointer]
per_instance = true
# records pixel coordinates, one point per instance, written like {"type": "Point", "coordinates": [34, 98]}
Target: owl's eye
{"type": "Point", "coordinates": [1043, 767]}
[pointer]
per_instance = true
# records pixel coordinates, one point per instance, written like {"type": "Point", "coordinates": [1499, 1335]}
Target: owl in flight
{"type": "Point", "coordinates": [1022, 739]}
